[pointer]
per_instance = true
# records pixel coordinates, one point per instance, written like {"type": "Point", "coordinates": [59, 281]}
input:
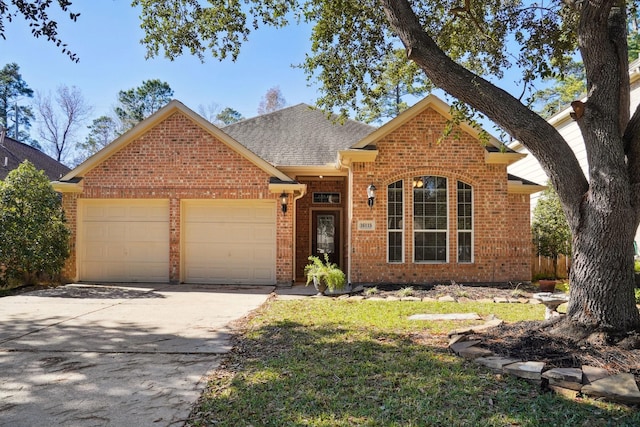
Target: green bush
{"type": "Point", "coordinates": [35, 239]}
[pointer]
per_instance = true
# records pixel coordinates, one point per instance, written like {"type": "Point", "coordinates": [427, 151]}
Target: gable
{"type": "Point", "coordinates": [176, 153]}
{"type": "Point", "coordinates": [494, 151]}
{"type": "Point", "coordinates": [198, 126]}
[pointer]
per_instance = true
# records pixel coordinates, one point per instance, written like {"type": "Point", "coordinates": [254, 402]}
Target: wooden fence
{"type": "Point", "coordinates": [544, 266]}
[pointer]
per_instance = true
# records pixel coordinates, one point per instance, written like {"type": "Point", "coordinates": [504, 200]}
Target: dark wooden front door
{"type": "Point", "coordinates": [325, 235]}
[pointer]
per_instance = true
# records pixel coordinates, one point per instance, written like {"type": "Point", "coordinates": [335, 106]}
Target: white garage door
{"type": "Point", "coordinates": [123, 240]}
{"type": "Point", "coordinates": [229, 241]}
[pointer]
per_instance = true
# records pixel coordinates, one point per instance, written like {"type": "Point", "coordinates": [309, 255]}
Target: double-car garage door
{"type": "Point", "coordinates": [222, 241]}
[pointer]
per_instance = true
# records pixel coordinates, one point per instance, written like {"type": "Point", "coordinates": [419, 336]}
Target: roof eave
{"type": "Point", "coordinates": [500, 158]}
{"type": "Point", "coordinates": [518, 187]}
{"type": "Point", "coordinates": [67, 187]}
{"type": "Point", "coordinates": [330, 169]}
{"type": "Point", "coordinates": [347, 157]}
{"type": "Point", "coordinates": [287, 187]}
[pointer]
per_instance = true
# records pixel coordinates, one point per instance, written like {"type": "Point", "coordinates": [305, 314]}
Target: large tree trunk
{"type": "Point", "coordinates": [602, 212]}
{"type": "Point", "coordinates": [601, 279]}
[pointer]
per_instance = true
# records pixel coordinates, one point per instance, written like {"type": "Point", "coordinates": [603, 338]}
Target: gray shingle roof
{"type": "Point", "coordinates": [297, 136]}
{"type": "Point", "coordinates": [16, 152]}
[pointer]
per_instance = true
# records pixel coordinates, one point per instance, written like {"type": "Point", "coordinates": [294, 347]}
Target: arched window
{"type": "Point", "coordinates": [430, 219]}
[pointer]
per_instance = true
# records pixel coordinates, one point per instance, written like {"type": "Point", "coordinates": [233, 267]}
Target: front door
{"type": "Point", "coordinates": [325, 235]}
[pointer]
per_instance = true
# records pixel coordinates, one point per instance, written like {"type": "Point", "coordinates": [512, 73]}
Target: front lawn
{"type": "Point", "coordinates": [325, 362]}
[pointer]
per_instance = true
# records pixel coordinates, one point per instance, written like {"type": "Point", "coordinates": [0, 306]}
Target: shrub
{"type": "Point", "coordinates": [35, 239]}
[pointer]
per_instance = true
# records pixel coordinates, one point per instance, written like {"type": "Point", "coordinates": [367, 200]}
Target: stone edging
{"type": "Point", "coordinates": [570, 382]}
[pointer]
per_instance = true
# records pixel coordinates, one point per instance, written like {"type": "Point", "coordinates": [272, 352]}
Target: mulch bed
{"type": "Point", "coordinates": [529, 341]}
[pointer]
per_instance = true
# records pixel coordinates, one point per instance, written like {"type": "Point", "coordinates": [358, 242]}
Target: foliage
{"type": "Point", "coordinates": [135, 105]}
{"type": "Point", "coordinates": [340, 363]}
{"type": "Point", "coordinates": [406, 292]}
{"type": "Point", "coordinates": [272, 101]}
{"type": "Point", "coordinates": [388, 98]}
{"type": "Point", "coordinates": [37, 14]}
{"type": "Point", "coordinates": [102, 131]}
{"type": "Point", "coordinates": [35, 239]}
{"type": "Point", "coordinates": [61, 118]}
{"type": "Point", "coordinates": [551, 233]}
{"type": "Point", "coordinates": [12, 90]}
{"type": "Point", "coordinates": [568, 87]}
{"type": "Point", "coordinates": [324, 272]}
{"type": "Point", "coordinates": [228, 116]}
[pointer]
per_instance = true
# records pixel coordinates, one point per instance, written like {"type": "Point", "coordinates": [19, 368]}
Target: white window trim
{"type": "Point", "coordinates": [446, 231]}
{"type": "Point", "coordinates": [473, 224]}
{"type": "Point", "coordinates": [402, 230]}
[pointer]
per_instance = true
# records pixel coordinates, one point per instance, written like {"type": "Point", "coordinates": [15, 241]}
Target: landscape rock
{"type": "Point", "coordinates": [501, 300]}
{"type": "Point", "coordinates": [619, 388]}
{"type": "Point", "coordinates": [410, 299]}
{"type": "Point", "coordinates": [528, 370]}
{"type": "Point", "coordinates": [592, 373]}
{"type": "Point", "coordinates": [569, 378]}
{"type": "Point", "coordinates": [447, 298]}
{"type": "Point", "coordinates": [472, 353]}
{"type": "Point", "coordinates": [487, 325]}
{"type": "Point", "coordinates": [496, 363]}
{"type": "Point", "coordinates": [461, 345]}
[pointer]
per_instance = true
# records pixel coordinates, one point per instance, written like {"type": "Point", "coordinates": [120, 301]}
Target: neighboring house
{"type": "Point", "coordinates": [530, 168]}
{"type": "Point", "coordinates": [12, 153]}
{"type": "Point", "coordinates": [177, 199]}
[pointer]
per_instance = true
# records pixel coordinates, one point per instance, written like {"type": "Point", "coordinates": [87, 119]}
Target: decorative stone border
{"type": "Point", "coordinates": [570, 382]}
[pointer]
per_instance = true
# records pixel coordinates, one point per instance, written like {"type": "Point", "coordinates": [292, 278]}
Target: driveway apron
{"type": "Point", "coordinates": [114, 355]}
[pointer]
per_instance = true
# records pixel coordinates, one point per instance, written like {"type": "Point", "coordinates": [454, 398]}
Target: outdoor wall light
{"type": "Point", "coordinates": [284, 199]}
{"type": "Point", "coordinates": [371, 195]}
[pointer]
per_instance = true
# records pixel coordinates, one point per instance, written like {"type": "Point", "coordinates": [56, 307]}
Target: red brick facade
{"type": "Point", "coordinates": [501, 228]}
{"type": "Point", "coordinates": [177, 158]}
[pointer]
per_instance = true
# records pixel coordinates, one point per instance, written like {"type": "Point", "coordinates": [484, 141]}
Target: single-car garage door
{"type": "Point", "coordinates": [229, 241]}
{"type": "Point", "coordinates": [123, 240]}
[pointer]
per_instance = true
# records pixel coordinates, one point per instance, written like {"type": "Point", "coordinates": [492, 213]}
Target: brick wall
{"type": "Point", "coordinates": [501, 230]}
{"type": "Point", "coordinates": [178, 160]}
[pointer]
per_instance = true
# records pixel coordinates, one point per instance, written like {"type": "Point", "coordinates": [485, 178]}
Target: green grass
{"type": "Point", "coordinates": [319, 362]}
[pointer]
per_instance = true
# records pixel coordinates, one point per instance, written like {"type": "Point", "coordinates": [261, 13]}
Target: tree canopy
{"type": "Point", "coordinates": [136, 104]}
{"type": "Point", "coordinates": [37, 14]}
{"type": "Point", "coordinates": [35, 239]}
{"type": "Point", "coordinates": [15, 115]}
{"type": "Point", "coordinates": [272, 101]}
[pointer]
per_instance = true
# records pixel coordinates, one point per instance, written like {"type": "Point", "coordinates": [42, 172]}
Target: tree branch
{"type": "Point", "coordinates": [542, 139]}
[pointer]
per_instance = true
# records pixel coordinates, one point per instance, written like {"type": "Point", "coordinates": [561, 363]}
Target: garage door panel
{"type": "Point", "coordinates": [124, 240]}
{"type": "Point", "coordinates": [229, 241]}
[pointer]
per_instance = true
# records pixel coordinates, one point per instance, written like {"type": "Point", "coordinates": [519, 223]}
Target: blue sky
{"type": "Point", "coordinates": [106, 38]}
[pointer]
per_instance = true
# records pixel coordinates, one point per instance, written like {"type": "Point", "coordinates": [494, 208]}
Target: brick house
{"type": "Point", "coordinates": [177, 199]}
{"type": "Point", "coordinates": [13, 153]}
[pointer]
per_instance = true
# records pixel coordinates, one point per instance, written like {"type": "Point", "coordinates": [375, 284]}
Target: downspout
{"type": "Point", "coordinates": [295, 223]}
{"type": "Point", "coordinates": [349, 222]}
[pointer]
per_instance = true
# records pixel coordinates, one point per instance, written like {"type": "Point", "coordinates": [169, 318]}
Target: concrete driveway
{"type": "Point", "coordinates": [115, 355]}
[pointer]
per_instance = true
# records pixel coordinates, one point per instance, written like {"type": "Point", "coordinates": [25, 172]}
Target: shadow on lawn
{"type": "Point", "coordinates": [286, 373]}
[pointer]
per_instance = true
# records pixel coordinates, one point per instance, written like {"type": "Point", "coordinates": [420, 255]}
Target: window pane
{"type": "Point", "coordinates": [430, 213]}
{"type": "Point", "coordinates": [395, 216]}
{"type": "Point", "coordinates": [465, 222]}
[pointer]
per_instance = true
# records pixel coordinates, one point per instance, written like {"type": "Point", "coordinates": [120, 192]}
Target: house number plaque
{"type": "Point", "coordinates": [366, 225]}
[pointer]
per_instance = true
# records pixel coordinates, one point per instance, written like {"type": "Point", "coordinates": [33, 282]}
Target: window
{"type": "Point", "coordinates": [331, 198]}
{"type": "Point", "coordinates": [430, 219]}
{"type": "Point", "coordinates": [395, 216]}
{"type": "Point", "coordinates": [465, 222]}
